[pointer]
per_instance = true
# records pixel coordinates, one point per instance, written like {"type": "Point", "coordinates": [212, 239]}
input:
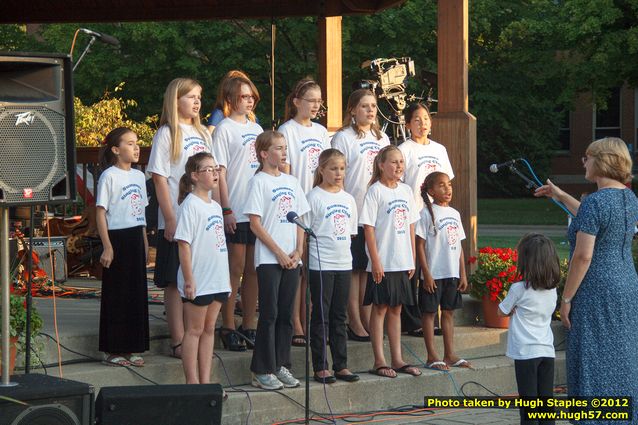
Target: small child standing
{"type": "Point", "coordinates": [531, 303]}
{"type": "Point", "coordinates": [203, 280]}
{"type": "Point", "coordinates": [440, 254]}
{"type": "Point", "coordinates": [122, 227]}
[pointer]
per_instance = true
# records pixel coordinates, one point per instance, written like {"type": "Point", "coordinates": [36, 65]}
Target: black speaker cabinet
{"type": "Point", "coordinates": [52, 255]}
{"type": "Point", "coordinates": [50, 401]}
{"type": "Point", "coordinates": [160, 404]}
{"type": "Point", "coordinates": [37, 134]}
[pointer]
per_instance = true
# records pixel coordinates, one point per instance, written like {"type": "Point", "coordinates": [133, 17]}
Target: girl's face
{"type": "Point", "coordinates": [365, 113]}
{"type": "Point", "coordinates": [207, 175]}
{"type": "Point", "coordinates": [393, 166]}
{"type": "Point", "coordinates": [189, 104]}
{"type": "Point", "coordinates": [441, 191]}
{"type": "Point", "coordinates": [275, 156]}
{"type": "Point", "coordinates": [308, 104]}
{"type": "Point", "coordinates": [420, 124]}
{"type": "Point", "coordinates": [334, 172]}
{"type": "Point", "coordinates": [246, 101]}
{"type": "Point", "coordinates": [127, 150]}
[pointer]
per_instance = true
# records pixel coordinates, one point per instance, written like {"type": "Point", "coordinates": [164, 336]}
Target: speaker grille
{"type": "Point", "coordinates": [33, 152]}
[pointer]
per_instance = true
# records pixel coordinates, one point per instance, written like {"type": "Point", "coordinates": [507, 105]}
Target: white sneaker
{"type": "Point", "coordinates": [286, 378]}
{"type": "Point", "coordinates": [267, 381]}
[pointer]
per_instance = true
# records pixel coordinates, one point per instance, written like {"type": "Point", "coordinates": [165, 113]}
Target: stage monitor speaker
{"type": "Point", "coordinates": [37, 134]}
{"type": "Point", "coordinates": [56, 250]}
{"type": "Point", "coordinates": [160, 404]}
{"type": "Point", "coordinates": [50, 401]}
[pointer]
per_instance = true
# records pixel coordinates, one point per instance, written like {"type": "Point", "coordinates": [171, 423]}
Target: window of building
{"type": "Point", "coordinates": [564, 132]}
{"type": "Point", "coordinates": [607, 121]}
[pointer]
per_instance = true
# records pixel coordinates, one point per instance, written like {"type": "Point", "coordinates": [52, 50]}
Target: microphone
{"type": "Point", "coordinates": [294, 218]}
{"type": "Point", "coordinates": [102, 37]}
{"type": "Point", "coordinates": [495, 167]}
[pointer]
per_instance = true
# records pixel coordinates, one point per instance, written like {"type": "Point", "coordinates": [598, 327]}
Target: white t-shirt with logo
{"type": "Point", "coordinates": [234, 148]}
{"type": "Point", "coordinates": [530, 335]}
{"type": "Point", "coordinates": [201, 225]}
{"type": "Point", "coordinates": [272, 198]}
{"type": "Point", "coordinates": [391, 212]}
{"type": "Point", "coordinates": [305, 144]}
{"type": "Point", "coordinates": [360, 154]}
{"type": "Point", "coordinates": [123, 195]}
{"type": "Point", "coordinates": [333, 218]}
{"type": "Point", "coordinates": [421, 160]}
{"type": "Point", "coordinates": [160, 160]}
{"type": "Point", "coordinates": [443, 249]}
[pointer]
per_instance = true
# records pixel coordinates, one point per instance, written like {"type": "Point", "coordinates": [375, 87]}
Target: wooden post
{"type": "Point", "coordinates": [453, 125]}
{"type": "Point", "coordinates": [330, 69]}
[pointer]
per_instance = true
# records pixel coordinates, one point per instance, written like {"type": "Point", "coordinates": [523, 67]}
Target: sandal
{"type": "Point", "coordinates": [231, 339]}
{"type": "Point", "coordinates": [174, 351]}
{"type": "Point", "coordinates": [249, 335]}
{"type": "Point", "coordinates": [408, 369]}
{"type": "Point", "coordinates": [379, 371]}
{"type": "Point", "coordinates": [115, 360]}
{"type": "Point", "coordinates": [298, 341]}
{"type": "Point", "coordinates": [136, 360]}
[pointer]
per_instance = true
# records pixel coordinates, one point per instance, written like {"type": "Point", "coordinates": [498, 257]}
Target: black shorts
{"type": "Point", "coordinates": [446, 295]}
{"type": "Point", "coordinates": [166, 262]}
{"type": "Point", "coordinates": [204, 300]}
{"type": "Point", "coordinates": [394, 289]}
{"type": "Point", "coordinates": [243, 235]}
{"type": "Point", "coordinates": [358, 250]}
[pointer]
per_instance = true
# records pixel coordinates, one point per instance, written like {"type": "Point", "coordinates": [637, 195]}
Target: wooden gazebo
{"type": "Point", "coordinates": [454, 125]}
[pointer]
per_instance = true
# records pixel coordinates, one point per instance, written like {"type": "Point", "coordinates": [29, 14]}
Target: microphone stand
{"type": "Point", "coordinates": [85, 51]}
{"type": "Point", "coordinates": [306, 269]}
{"type": "Point", "coordinates": [530, 183]}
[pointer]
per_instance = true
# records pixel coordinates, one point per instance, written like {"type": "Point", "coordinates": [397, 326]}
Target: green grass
{"type": "Point", "coordinates": [562, 247]}
{"type": "Point", "coordinates": [520, 211]}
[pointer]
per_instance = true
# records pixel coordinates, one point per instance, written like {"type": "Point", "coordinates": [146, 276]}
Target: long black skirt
{"type": "Point", "coordinates": [124, 304]}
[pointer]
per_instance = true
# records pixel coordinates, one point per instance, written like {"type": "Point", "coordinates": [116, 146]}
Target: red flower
{"type": "Point", "coordinates": [472, 260]}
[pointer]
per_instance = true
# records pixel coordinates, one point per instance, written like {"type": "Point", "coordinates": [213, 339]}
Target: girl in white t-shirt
{"type": "Point", "coordinates": [203, 280]}
{"type": "Point", "coordinates": [442, 263]}
{"type": "Point", "coordinates": [234, 149]}
{"type": "Point", "coordinates": [360, 140]}
{"type": "Point", "coordinates": [180, 136]}
{"type": "Point", "coordinates": [333, 217]}
{"type": "Point", "coordinates": [531, 303]}
{"type": "Point", "coordinates": [273, 194]}
{"type": "Point", "coordinates": [388, 216]}
{"type": "Point", "coordinates": [306, 140]}
{"type": "Point", "coordinates": [121, 223]}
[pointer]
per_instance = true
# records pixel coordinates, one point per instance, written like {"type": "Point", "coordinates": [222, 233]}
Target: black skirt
{"type": "Point", "coordinates": [393, 290]}
{"type": "Point", "coordinates": [124, 303]}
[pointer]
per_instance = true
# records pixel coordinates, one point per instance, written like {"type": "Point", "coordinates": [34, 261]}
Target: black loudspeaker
{"type": "Point", "coordinates": [37, 134]}
{"type": "Point", "coordinates": [52, 255]}
{"type": "Point", "coordinates": [160, 404]}
{"type": "Point", "coordinates": [50, 401]}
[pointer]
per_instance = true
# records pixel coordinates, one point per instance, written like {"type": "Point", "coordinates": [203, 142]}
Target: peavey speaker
{"type": "Point", "coordinates": [160, 404]}
{"type": "Point", "coordinates": [48, 401]}
{"type": "Point", "coordinates": [37, 135]}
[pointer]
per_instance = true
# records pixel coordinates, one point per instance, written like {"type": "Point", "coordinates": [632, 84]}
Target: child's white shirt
{"type": "Point", "coordinates": [391, 212]}
{"type": "Point", "coordinates": [272, 198]}
{"type": "Point", "coordinates": [201, 225]}
{"type": "Point", "coordinates": [234, 148]}
{"type": "Point", "coordinates": [443, 249]}
{"type": "Point", "coordinates": [360, 154]}
{"type": "Point", "coordinates": [160, 162]}
{"type": "Point", "coordinates": [530, 334]}
{"type": "Point", "coordinates": [123, 195]}
{"type": "Point", "coordinates": [305, 144]}
{"type": "Point", "coordinates": [333, 218]}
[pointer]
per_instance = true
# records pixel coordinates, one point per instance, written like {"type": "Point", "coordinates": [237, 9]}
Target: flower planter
{"type": "Point", "coordinates": [12, 354]}
{"type": "Point", "coordinates": [491, 318]}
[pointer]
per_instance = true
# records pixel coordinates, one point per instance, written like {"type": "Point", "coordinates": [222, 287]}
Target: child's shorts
{"type": "Point", "coordinates": [445, 295]}
{"type": "Point", "coordinates": [243, 235]}
{"type": "Point", "coordinates": [393, 290]}
{"type": "Point", "coordinates": [204, 300]}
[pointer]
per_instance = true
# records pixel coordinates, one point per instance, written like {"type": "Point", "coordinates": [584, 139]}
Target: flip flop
{"type": "Point", "coordinates": [298, 341]}
{"type": "Point", "coordinates": [115, 360]}
{"type": "Point", "coordinates": [135, 360]}
{"type": "Point", "coordinates": [462, 363]}
{"type": "Point", "coordinates": [406, 369]}
{"type": "Point", "coordinates": [377, 371]}
{"type": "Point", "coordinates": [437, 365]}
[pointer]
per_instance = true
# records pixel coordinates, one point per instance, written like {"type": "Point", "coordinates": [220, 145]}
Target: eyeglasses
{"type": "Point", "coordinates": [210, 170]}
{"type": "Point", "coordinates": [314, 101]}
{"type": "Point", "coordinates": [247, 97]}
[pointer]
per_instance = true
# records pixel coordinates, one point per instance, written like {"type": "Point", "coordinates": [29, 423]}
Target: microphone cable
{"type": "Point", "coordinates": [535, 177]}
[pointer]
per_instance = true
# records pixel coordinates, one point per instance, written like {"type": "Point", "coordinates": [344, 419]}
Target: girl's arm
{"type": "Point", "coordinates": [462, 275]}
{"type": "Point", "coordinates": [163, 194]}
{"type": "Point", "coordinates": [186, 265]}
{"type": "Point", "coordinates": [371, 242]}
{"type": "Point", "coordinates": [102, 228]}
{"type": "Point", "coordinates": [428, 282]}
{"type": "Point", "coordinates": [412, 243]}
{"type": "Point", "coordinates": [550, 190]}
{"type": "Point", "coordinates": [578, 267]}
{"type": "Point", "coordinates": [145, 244]}
{"type": "Point", "coordinates": [230, 222]}
{"type": "Point", "coordinates": [284, 260]}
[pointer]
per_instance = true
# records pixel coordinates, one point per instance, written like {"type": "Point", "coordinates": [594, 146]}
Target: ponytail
{"type": "Point", "coordinates": [106, 157]}
{"type": "Point", "coordinates": [301, 88]}
{"type": "Point", "coordinates": [186, 183]}
{"type": "Point", "coordinates": [185, 187]}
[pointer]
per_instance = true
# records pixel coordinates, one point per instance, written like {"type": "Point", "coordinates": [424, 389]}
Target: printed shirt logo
{"type": "Point", "coordinates": [248, 142]}
{"type": "Point", "coordinates": [429, 164]}
{"type": "Point", "coordinates": [136, 204]}
{"type": "Point", "coordinates": [398, 211]}
{"type": "Point", "coordinates": [216, 223]}
{"type": "Point", "coordinates": [340, 222]}
{"type": "Point", "coordinates": [313, 158]}
{"type": "Point", "coordinates": [193, 145]}
{"type": "Point", "coordinates": [400, 218]}
{"type": "Point", "coordinates": [284, 197]}
{"type": "Point", "coordinates": [134, 194]}
{"type": "Point", "coordinates": [285, 206]}
{"type": "Point", "coordinates": [25, 118]}
{"type": "Point", "coordinates": [452, 234]}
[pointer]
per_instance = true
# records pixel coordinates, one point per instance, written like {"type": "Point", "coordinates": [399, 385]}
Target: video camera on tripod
{"type": "Point", "coordinates": [390, 84]}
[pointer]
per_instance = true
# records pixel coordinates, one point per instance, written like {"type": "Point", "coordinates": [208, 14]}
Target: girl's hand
{"type": "Point", "coordinates": [377, 272]}
{"type": "Point", "coordinates": [230, 223]}
{"type": "Point", "coordinates": [429, 285]}
{"type": "Point", "coordinates": [284, 259]}
{"type": "Point", "coordinates": [549, 190]}
{"type": "Point", "coordinates": [295, 258]}
{"type": "Point", "coordinates": [189, 289]}
{"type": "Point", "coordinates": [462, 284]}
{"type": "Point", "coordinates": [411, 273]}
{"type": "Point", "coordinates": [107, 257]}
{"type": "Point", "coordinates": [564, 315]}
{"type": "Point", "coordinates": [169, 229]}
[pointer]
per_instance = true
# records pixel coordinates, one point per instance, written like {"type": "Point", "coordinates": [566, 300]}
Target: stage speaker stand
{"type": "Point", "coordinates": [160, 404]}
{"type": "Point", "coordinates": [51, 401]}
{"type": "Point", "coordinates": [37, 133]}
